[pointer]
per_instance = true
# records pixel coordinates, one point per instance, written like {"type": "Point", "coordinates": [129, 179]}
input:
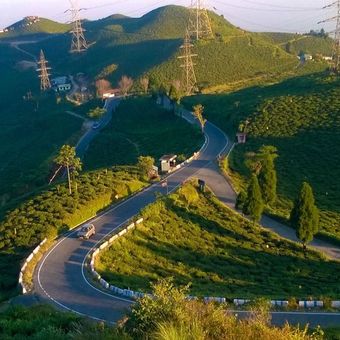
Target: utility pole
{"type": "Point", "coordinates": [44, 75]}
{"type": "Point", "coordinates": [336, 46]}
{"type": "Point", "coordinates": [199, 22]}
{"type": "Point", "coordinates": [189, 76]}
{"type": "Point", "coordinates": [79, 43]}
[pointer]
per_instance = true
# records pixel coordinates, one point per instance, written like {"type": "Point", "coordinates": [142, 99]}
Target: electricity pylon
{"type": "Point", "coordinates": [79, 43]}
{"type": "Point", "coordinates": [336, 32]}
{"type": "Point", "coordinates": [189, 76]}
{"type": "Point", "coordinates": [44, 75]}
{"type": "Point", "coordinates": [199, 22]}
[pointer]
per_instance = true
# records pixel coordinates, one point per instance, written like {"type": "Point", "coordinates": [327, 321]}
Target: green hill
{"type": "Point", "coordinates": [34, 26]}
{"type": "Point", "coordinates": [150, 45]}
{"type": "Point", "coordinates": [297, 43]}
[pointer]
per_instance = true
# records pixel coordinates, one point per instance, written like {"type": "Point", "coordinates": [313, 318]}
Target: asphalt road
{"type": "Point", "coordinates": [87, 138]}
{"type": "Point", "coordinates": [60, 276]}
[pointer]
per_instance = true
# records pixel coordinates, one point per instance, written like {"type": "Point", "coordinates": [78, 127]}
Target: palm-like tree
{"type": "Point", "coordinates": [67, 158]}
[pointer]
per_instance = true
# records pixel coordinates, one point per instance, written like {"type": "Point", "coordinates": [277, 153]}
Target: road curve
{"type": "Point", "coordinates": [60, 277]}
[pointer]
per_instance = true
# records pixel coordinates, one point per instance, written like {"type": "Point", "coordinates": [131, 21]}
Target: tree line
{"type": "Point", "coordinates": [262, 192]}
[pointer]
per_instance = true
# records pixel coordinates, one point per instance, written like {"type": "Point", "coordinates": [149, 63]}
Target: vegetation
{"type": "Point", "coordinates": [305, 215]}
{"type": "Point", "coordinates": [67, 159]}
{"type": "Point", "coordinates": [198, 113]}
{"type": "Point", "coordinates": [253, 205]}
{"type": "Point", "coordinates": [27, 27]}
{"type": "Point", "coordinates": [44, 322]}
{"type": "Point", "coordinates": [96, 113]}
{"type": "Point", "coordinates": [55, 211]}
{"type": "Point", "coordinates": [145, 166]}
{"type": "Point", "coordinates": [140, 127]}
{"type": "Point", "coordinates": [300, 117]}
{"type": "Point", "coordinates": [170, 316]}
{"type": "Point", "coordinates": [218, 251]}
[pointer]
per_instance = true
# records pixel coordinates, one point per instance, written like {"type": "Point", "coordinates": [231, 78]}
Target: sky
{"type": "Point", "coordinates": [255, 15]}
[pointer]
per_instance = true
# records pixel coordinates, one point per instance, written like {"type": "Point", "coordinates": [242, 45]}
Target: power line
{"type": "Point", "coordinates": [44, 75]}
{"type": "Point", "coordinates": [79, 43]}
{"type": "Point", "coordinates": [336, 32]}
{"type": "Point", "coordinates": [199, 21]}
{"type": "Point", "coordinates": [189, 76]}
{"type": "Point", "coordinates": [266, 9]}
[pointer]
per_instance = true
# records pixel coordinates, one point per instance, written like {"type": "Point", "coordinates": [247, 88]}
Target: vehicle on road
{"type": "Point", "coordinates": [96, 125]}
{"type": "Point", "coordinates": [86, 231]}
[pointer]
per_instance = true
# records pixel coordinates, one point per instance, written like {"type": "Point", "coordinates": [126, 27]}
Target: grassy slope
{"type": "Point", "coordinates": [296, 43]}
{"type": "Point", "coordinates": [218, 251]}
{"type": "Point", "coordinates": [140, 127]}
{"type": "Point", "coordinates": [44, 26]}
{"type": "Point", "coordinates": [150, 45]}
{"type": "Point", "coordinates": [28, 136]}
{"type": "Point", "coordinates": [303, 123]}
{"type": "Point", "coordinates": [54, 211]}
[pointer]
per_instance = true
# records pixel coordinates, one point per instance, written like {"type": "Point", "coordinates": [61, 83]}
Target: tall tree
{"type": "Point", "coordinates": [144, 82]}
{"type": "Point", "coordinates": [253, 206]}
{"type": "Point", "coordinates": [67, 159]}
{"type": "Point", "coordinates": [102, 86]}
{"type": "Point", "coordinates": [267, 176]}
{"type": "Point", "coordinates": [198, 113]}
{"type": "Point", "coordinates": [305, 215]}
{"type": "Point", "coordinates": [145, 165]}
{"type": "Point", "coordinates": [262, 164]}
{"type": "Point", "coordinates": [125, 84]}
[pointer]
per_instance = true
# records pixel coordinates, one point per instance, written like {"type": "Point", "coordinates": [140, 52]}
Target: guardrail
{"type": "Point", "coordinates": [24, 289]}
{"type": "Point", "coordinates": [131, 294]}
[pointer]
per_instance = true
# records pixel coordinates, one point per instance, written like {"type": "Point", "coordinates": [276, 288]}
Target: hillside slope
{"type": "Point", "coordinates": [34, 26]}
{"type": "Point", "coordinates": [150, 45]}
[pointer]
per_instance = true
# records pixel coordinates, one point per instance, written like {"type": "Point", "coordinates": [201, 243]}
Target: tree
{"type": "Point", "coordinates": [240, 200]}
{"type": "Point", "coordinates": [67, 159]}
{"type": "Point", "coordinates": [125, 85]}
{"type": "Point", "coordinates": [254, 205]}
{"type": "Point", "coordinates": [175, 92]}
{"type": "Point", "coordinates": [102, 86]}
{"type": "Point", "coordinates": [198, 113]}
{"type": "Point", "coordinates": [262, 164]}
{"type": "Point", "coordinates": [305, 215]}
{"type": "Point", "coordinates": [267, 176]}
{"type": "Point", "coordinates": [144, 82]}
{"type": "Point", "coordinates": [145, 166]}
{"type": "Point", "coordinates": [96, 113]}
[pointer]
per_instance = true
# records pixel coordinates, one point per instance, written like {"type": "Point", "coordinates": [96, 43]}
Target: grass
{"type": "Point", "coordinates": [216, 250]}
{"type": "Point", "coordinates": [300, 114]}
{"type": "Point", "coordinates": [31, 131]}
{"type": "Point", "coordinates": [141, 127]}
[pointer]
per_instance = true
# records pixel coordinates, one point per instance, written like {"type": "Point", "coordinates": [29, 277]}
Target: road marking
{"type": "Point", "coordinates": [202, 150]}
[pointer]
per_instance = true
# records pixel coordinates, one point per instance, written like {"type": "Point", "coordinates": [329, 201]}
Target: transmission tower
{"type": "Point", "coordinates": [199, 22]}
{"type": "Point", "coordinates": [336, 32]}
{"type": "Point", "coordinates": [79, 43]}
{"type": "Point", "coordinates": [44, 75]}
{"type": "Point", "coordinates": [189, 76]}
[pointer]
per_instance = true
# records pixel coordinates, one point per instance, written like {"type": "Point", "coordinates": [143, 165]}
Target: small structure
{"type": "Point", "coordinates": [61, 84]}
{"type": "Point", "coordinates": [241, 137]}
{"type": "Point", "coordinates": [327, 58]}
{"type": "Point", "coordinates": [111, 93]}
{"type": "Point", "coordinates": [168, 162]}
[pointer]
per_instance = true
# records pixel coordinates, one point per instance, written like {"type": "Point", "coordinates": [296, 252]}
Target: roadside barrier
{"type": "Point", "coordinates": [24, 289]}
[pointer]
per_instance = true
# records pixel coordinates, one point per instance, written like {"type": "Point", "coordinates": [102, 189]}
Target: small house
{"type": "Point", "coordinates": [61, 84]}
{"type": "Point", "coordinates": [168, 162]}
{"type": "Point", "coordinates": [241, 137]}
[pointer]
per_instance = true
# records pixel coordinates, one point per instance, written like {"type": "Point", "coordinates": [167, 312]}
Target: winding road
{"type": "Point", "coordinates": [60, 276]}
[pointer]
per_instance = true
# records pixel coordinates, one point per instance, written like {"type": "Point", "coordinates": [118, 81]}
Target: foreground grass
{"type": "Point", "coordinates": [301, 118]}
{"type": "Point", "coordinates": [216, 250]}
{"type": "Point", "coordinates": [141, 127]}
